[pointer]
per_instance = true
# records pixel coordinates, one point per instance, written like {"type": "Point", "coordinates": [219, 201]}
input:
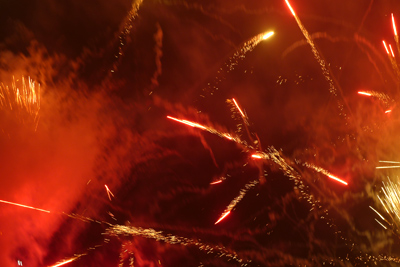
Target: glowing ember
{"type": "Point", "coordinates": [223, 216]}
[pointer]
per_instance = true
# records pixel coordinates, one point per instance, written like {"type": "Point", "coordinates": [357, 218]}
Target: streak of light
{"type": "Point", "coordinates": [237, 106]}
{"type": "Point", "coordinates": [236, 200]}
{"type": "Point", "coordinates": [388, 111]}
{"type": "Point", "coordinates": [256, 156]}
{"type": "Point", "coordinates": [192, 124]}
{"type": "Point", "coordinates": [24, 206]}
{"type": "Point", "coordinates": [387, 161]}
{"type": "Point", "coordinates": [109, 193]}
{"type": "Point", "coordinates": [223, 216]}
{"type": "Point", "coordinates": [394, 26]}
{"type": "Point", "coordinates": [267, 35]}
{"type": "Point", "coordinates": [384, 44]}
{"type": "Point", "coordinates": [325, 172]}
{"type": "Point", "coordinates": [337, 179]}
{"type": "Point", "coordinates": [383, 218]}
{"type": "Point", "coordinates": [64, 262]}
{"type": "Point", "coordinates": [391, 50]}
{"type": "Point", "coordinates": [381, 224]}
{"type": "Point", "coordinates": [364, 93]}
{"type": "Point", "coordinates": [387, 167]}
{"type": "Point", "coordinates": [122, 230]}
{"type": "Point", "coordinates": [217, 182]}
{"type": "Point", "coordinates": [290, 7]}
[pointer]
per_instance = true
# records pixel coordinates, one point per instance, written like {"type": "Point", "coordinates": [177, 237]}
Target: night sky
{"type": "Point", "coordinates": [110, 72]}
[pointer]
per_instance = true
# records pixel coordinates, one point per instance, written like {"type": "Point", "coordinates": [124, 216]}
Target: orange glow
{"type": "Point", "coordinates": [192, 124]}
{"type": "Point", "coordinates": [388, 111]}
{"type": "Point", "coordinates": [256, 156]}
{"type": "Point", "coordinates": [394, 25]}
{"type": "Point", "coordinates": [384, 44]}
{"type": "Point", "coordinates": [24, 206]}
{"type": "Point", "coordinates": [267, 35]}
{"type": "Point", "coordinates": [223, 216]}
{"type": "Point", "coordinates": [337, 179]}
{"type": "Point", "coordinates": [237, 106]}
{"type": "Point", "coordinates": [290, 7]}
{"type": "Point", "coordinates": [391, 50]}
{"type": "Point", "coordinates": [364, 93]}
{"type": "Point", "coordinates": [217, 182]}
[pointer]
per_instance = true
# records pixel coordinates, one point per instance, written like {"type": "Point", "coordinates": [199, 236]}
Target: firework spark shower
{"type": "Point", "coordinates": [199, 133]}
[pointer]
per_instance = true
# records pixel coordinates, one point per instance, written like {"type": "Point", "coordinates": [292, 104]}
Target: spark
{"type": "Point", "coordinates": [384, 44]}
{"type": "Point", "coordinates": [391, 201]}
{"type": "Point", "coordinates": [394, 26]}
{"type": "Point", "coordinates": [237, 106]}
{"type": "Point", "coordinates": [64, 262]}
{"type": "Point", "coordinates": [387, 167]}
{"type": "Point", "coordinates": [267, 35]}
{"type": "Point", "coordinates": [387, 161]}
{"type": "Point", "coordinates": [388, 111]}
{"type": "Point", "coordinates": [383, 218]}
{"type": "Point", "coordinates": [236, 200]}
{"type": "Point", "coordinates": [364, 93]}
{"type": "Point", "coordinates": [217, 182]}
{"type": "Point", "coordinates": [109, 193]}
{"type": "Point", "coordinates": [24, 206]}
{"type": "Point", "coordinates": [325, 172]}
{"type": "Point", "coordinates": [381, 224]}
{"type": "Point", "coordinates": [223, 216]}
{"type": "Point", "coordinates": [391, 50]}
{"type": "Point", "coordinates": [192, 124]}
{"type": "Point", "coordinates": [290, 7]}
{"type": "Point", "coordinates": [256, 156]}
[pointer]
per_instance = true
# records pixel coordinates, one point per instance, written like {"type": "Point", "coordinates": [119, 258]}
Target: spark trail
{"type": "Point", "coordinates": [65, 262]}
{"type": "Point", "coordinates": [121, 230]}
{"type": "Point", "coordinates": [236, 200]}
{"type": "Point", "coordinates": [23, 206]}
{"type": "Point", "coordinates": [325, 71]}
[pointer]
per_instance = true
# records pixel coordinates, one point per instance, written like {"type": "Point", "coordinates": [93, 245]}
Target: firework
{"type": "Point", "coordinates": [66, 261]}
{"type": "Point", "coordinates": [109, 193]}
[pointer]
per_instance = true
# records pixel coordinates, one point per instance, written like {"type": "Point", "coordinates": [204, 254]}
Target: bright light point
{"type": "Point", "coordinates": [290, 7]}
{"type": "Point", "coordinates": [237, 106]}
{"type": "Point", "coordinates": [256, 156]}
{"type": "Point", "coordinates": [394, 26]}
{"type": "Point", "coordinates": [217, 182]}
{"type": "Point", "coordinates": [109, 193]}
{"type": "Point", "coordinates": [337, 179]}
{"type": "Point", "coordinates": [388, 111]}
{"type": "Point", "coordinates": [267, 35]}
{"type": "Point", "coordinates": [223, 216]}
{"type": "Point", "coordinates": [20, 263]}
{"type": "Point", "coordinates": [192, 124]}
{"type": "Point", "coordinates": [384, 44]}
{"type": "Point", "coordinates": [63, 263]}
{"type": "Point", "coordinates": [364, 93]}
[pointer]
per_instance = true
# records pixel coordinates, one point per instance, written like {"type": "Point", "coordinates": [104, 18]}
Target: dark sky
{"type": "Point", "coordinates": [111, 71]}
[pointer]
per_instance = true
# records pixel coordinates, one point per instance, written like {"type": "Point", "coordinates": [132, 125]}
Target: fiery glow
{"type": "Point", "coordinates": [223, 216]}
{"type": "Point", "coordinates": [388, 111]}
{"type": "Point", "coordinates": [290, 7]}
{"type": "Point", "coordinates": [192, 124]}
{"type": "Point", "coordinates": [256, 156]}
{"type": "Point", "coordinates": [217, 182]}
{"type": "Point", "coordinates": [394, 26]}
{"type": "Point", "coordinates": [325, 172]}
{"type": "Point", "coordinates": [109, 193]}
{"type": "Point", "coordinates": [336, 179]}
{"type": "Point", "coordinates": [24, 206]}
{"type": "Point", "coordinates": [267, 35]}
{"type": "Point", "coordinates": [364, 93]}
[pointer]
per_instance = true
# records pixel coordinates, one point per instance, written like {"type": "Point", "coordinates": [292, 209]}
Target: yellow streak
{"type": "Point", "coordinates": [237, 106]}
{"type": "Point", "coordinates": [386, 161]}
{"type": "Point", "coordinates": [394, 25]}
{"type": "Point", "coordinates": [267, 35]}
{"type": "Point", "coordinates": [24, 206]}
{"type": "Point", "coordinates": [364, 93]}
{"type": "Point", "coordinates": [290, 7]}
{"type": "Point", "coordinates": [391, 50]}
{"type": "Point", "coordinates": [384, 44]}
{"type": "Point", "coordinates": [388, 167]}
{"type": "Point", "coordinates": [223, 216]}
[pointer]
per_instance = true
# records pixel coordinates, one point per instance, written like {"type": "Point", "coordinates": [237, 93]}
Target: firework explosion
{"type": "Point", "coordinates": [174, 133]}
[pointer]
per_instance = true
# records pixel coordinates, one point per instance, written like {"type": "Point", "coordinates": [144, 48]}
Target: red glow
{"type": "Point", "coordinates": [217, 182]}
{"type": "Point", "coordinates": [223, 216]}
{"type": "Point", "coordinates": [364, 93]}
{"type": "Point", "coordinates": [24, 206]}
{"type": "Point", "coordinates": [394, 26]}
